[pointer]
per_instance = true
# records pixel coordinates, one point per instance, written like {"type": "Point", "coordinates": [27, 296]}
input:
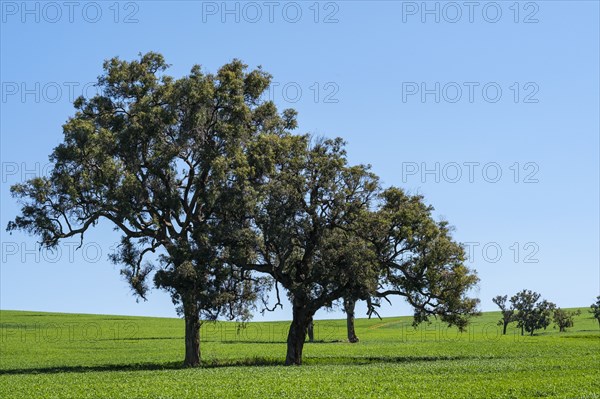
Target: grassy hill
{"type": "Point", "coordinates": [48, 355]}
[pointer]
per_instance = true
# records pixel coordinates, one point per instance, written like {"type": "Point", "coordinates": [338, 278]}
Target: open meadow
{"type": "Point", "coordinates": [47, 355]}
{"type": "Point", "coordinates": [309, 162]}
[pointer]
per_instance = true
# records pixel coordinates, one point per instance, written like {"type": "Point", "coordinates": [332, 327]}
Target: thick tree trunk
{"type": "Point", "coordinates": [297, 335]}
{"type": "Point", "coordinates": [349, 305]}
{"type": "Point", "coordinates": [504, 329]}
{"type": "Point", "coordinates": [192, 335]}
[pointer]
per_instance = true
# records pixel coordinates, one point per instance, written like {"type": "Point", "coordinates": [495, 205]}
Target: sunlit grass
{"type": "Point", "coordinates": [47, 355]}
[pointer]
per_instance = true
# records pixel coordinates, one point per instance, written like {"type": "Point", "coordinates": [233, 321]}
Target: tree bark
{"type": "Point", "coordinates": [505, 326]}
{"type": "Point", "coordinates": [349, 305]}
{"type": "Point", "coordinates": [297, 335]}
{"type": "Point", "coordinates": [192, 335]}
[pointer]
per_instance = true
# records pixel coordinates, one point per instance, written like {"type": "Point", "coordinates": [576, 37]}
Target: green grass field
{"type": "Point", "coordinates": [46, 355]}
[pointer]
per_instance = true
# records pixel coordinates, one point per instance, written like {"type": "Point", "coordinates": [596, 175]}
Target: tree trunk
{"type": "Point", "coordinates": [192, 335]}
{"type": "Point", "coordinates": [522, 330]}
{"type": "Point", "coordinates": [297, 335]}
{"type": "Point", "coordinates": [505, 326]}
{"type": "Point", "coordinates": [349, 305]}
{"type": "Point", "coordinates": [311, 332]}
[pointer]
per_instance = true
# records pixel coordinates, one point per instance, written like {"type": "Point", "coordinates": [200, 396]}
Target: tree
{"type": "Point", "coordinates": [595, 309]}
{"type": "Point", "coordinates": [302, 226]}
{"type": "Point", "coordinates": [319, 238]}
{"type": "Point", "coordinates": [418, 260]}
{"type": "Point", "coordinates": [542, 316]}
{"type": "Point", "coordinates": [532, 315]}
{"type": "Point", "coordinates": [166, 162]}
{"type": "Point", "coordinates": [206, 185]}
{"type": "Point", "coordinates": [564, 318]}
{"type": "Point", "coordinates": [524, 302]}
{"type": "Point", "coordinates": [508, 312]}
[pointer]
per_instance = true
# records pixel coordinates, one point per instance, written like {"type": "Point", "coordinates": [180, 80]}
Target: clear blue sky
{"type": "Point", "coordinates": [490, 110]}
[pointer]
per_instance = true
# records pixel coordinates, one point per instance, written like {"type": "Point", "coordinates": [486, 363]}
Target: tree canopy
{"type": "Point", "coordinates": [217, 201]}
{"type": "Point", "coordinates": [564, 318]}
{"type": "Point", "coordinates": [165, 161]}
{"type": "Point", "coordinates": [508, 311]}
{"type": "Point", "coordinates": [532, 314]}
{"type": "Point", "coordinates": [326, 231]}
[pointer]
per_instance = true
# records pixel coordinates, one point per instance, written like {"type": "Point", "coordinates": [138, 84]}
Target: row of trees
{"type": "Point", "coordinates": [531, 313]}
{"type": "Point", "coordinates": [220, 205]}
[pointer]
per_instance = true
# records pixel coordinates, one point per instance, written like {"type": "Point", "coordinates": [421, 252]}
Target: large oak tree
{"type": "Point", "coordinates": [308, 200]}
{"type": "Point", "coordinates": [325, 232]}
{"type": "Point", "coordinates": [165, 161]}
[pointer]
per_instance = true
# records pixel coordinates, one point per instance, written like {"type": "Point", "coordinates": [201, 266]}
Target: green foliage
{"type": "Point", "coordinates": [419, 260]}
{"type": "Point", "coordinates": [207, 186]}
{"type": "Point", "coordinates": [508, 312]}
{"type": "Point", "coordinates": [325, 231]}
{"type": "Point", "coordinates": [595, 309]}
{"type": "Point", "coordinates": [166, 162]}
{"type": "Point", "coordinates": [532, 315]}
{"type": "Point", "coordinates": [304, 224]}
{"type": "Point", "coordinates": [564, 319]}
{"type": "Point", "coordinates": [308, 200]}
{"type": "Point", "coordinates": [90, 356]}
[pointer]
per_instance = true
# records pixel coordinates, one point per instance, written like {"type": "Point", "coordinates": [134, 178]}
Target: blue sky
{"type": "Point", "coordinates": [490, 110]}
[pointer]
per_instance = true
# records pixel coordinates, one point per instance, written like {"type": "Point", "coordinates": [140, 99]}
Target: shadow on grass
{"type": "Point", "coordinates": [222, 363]}
{"type": "Point", "coordinates": [362, 360]}
{"type": "Point", "coordinates": [140, 339]}
{"type": "Point", "coordinates": [103, 367]}
{"type": "Point", "coordinates": [274, 341]}
{"type": "Point", "coordinates": [587, 336]}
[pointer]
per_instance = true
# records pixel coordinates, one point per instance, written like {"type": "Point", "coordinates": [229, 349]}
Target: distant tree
{"type": "Point", "coordinates": [165, 162]}
{"type": "Point", "coordinates": [532, 315]}
{"type": "Point", "coordinates": [508, 312]}
{"type": "Point", "coordinates": [524, 303]}
{"type": "Point", "coordinates": [595, 309]}
{"type": "Point", "coordinates": [541, 317]}
{"type": "Point", "coordinates": [564, 318]}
